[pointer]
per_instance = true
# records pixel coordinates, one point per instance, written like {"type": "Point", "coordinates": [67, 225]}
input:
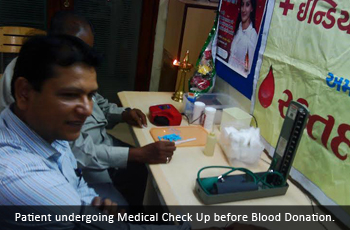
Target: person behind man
{"type": "Point", "coordinates": [95, 150]}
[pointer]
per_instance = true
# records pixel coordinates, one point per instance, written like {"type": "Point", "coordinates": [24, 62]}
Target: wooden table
{"type": "Point", "coordinates": [176, 180]}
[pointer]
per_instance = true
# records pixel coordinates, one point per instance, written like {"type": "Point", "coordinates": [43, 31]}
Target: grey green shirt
{"type": "Point", "coordinates": [94, 148]}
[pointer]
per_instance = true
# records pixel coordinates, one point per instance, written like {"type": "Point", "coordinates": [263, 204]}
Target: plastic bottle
{"type": "Point", "coordinates": [209, 118]}
{"type": "Point", "coordinates": [210, 145]}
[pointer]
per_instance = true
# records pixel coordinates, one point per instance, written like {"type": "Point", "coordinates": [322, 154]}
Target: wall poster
{"type": "Point", "coordinates": [239, 30]}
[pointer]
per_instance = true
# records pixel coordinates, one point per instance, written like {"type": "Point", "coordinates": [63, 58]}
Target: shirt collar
{"type": "Point", "coordinates": [30, 138]}
{"type": "Point", "coordinates": [248, 28]}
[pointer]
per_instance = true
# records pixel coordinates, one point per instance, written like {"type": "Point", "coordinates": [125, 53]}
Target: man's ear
{"type": "Point", "coordinates": [22, 90]}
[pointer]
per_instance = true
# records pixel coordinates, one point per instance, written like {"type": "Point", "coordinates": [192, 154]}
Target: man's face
{"type": "Point", "coordinates": [59, 110]}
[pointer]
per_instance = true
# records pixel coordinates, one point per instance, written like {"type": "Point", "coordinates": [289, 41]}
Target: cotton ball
{"type": "Point", "coordinates": [255, 140]}
{"type": "Point", "coordinates": [245, 137]}
{"type": "Point", "coordinates": [236, 137]}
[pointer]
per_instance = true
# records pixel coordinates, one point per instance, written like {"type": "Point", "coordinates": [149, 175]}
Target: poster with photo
{"type": "Point", "coordinates": [239, 27]}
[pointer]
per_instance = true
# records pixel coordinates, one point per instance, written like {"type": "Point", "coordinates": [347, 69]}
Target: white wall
{"type": "Point", "coordinates": [158, 45]}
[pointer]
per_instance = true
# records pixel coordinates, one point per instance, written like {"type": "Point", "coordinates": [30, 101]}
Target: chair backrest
{"type": "Point", "coordinates": [11, 38]}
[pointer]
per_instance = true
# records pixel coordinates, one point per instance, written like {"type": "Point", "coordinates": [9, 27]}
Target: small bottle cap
{"type": "Point", "coordinates": [199, 103]}
{"type": "Point", "coordinates": [209, 110]}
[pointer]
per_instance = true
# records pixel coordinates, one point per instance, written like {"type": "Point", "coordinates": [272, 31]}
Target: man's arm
{"type": "Point", "coordinates": [103, 156]}
{"type": "Point", "coordinates": [112, 112]}
{"type": "Point", "coordinates": [155, 153]}
{"type": "Point", "coordinates": [98, 156]}
{"type": "Point", "coordinates": [37, 186]}
{"type": "Point", "coordinates": [56, 197]}
{"type": "Point", "coordinates": [115, 114]}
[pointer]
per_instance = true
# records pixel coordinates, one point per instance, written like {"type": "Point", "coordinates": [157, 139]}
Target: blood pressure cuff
{"type": "Point", "coordinates": [233, 184]}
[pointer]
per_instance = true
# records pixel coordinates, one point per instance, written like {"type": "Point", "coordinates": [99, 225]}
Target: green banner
{"type": "Point", "coordinates": [307, 59]}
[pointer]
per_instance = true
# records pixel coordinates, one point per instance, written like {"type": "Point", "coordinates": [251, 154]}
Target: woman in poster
{"type": "Point", "coordinates": [245, 37]}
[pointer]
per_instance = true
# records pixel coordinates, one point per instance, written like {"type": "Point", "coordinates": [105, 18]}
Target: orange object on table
{"type": "Point", "coordinates": [185, 132]}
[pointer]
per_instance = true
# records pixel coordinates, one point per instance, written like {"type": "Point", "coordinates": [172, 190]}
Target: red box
{"type": "Point", "coordinates": [165, 115]}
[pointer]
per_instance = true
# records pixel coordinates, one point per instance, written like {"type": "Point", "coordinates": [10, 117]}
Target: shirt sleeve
{"type": "Point", "coordinates": [5, 86]}
{"type": "Point", "coordinates": [112, 112]}
{"type": "Point", "coordinates": [99, 156]}
{"type": "Point", "coordinates": [38, 185]}
{"type": "Point", "coordinates": [86, 193]}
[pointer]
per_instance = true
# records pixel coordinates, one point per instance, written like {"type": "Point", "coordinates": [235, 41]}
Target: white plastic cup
{"type": "Point", "coordinates": [235, 117]}
{"type": "Point", "coordinates": [197, 112]}
{"type": "Point", "coordinates": [209, 118]}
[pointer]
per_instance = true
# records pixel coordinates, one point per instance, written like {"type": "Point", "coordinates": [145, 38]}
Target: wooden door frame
{"type": "Point", "coordinates": [57, 5]}
{"type": "Point", "coordinates": [146, 44]}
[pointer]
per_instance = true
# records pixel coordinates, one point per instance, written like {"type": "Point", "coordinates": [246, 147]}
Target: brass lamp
{"type": "Point", "coordinates": [184, 67]}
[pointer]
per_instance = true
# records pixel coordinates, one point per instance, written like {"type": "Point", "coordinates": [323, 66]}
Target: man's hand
{"type": "Point", "coordinates": [134, 117]}
{"type": "Point", "coordinates": [155, 153]}
{"type": "Point", "coordinates": [105, 205]}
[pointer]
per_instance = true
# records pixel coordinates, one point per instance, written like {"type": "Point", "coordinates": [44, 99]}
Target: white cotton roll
{"type": "Point", "coordinates": [197, 112]}
{"type": "Point", "coordinates": [209, 118]}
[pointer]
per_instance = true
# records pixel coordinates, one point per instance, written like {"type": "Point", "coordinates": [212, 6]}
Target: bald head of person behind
{"type": "Point", "coordinates": [65, 22]}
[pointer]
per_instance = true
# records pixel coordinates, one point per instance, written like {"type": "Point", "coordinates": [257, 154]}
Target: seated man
{"type": "Point", "coordinates": [53, 85]}
{"type": "Point", "coordinates": [95, 150]}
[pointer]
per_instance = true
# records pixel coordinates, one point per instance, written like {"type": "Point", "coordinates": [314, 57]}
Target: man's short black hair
{"type": "Point", "coordinates": [40, 54]}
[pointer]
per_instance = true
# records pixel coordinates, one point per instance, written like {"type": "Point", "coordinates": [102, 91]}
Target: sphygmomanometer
{"type": "Point", "coordinates": [273, 182]}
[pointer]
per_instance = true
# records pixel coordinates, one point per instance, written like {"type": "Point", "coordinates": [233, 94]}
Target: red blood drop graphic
{"type": "Point", "coordinates": [267, 89]}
